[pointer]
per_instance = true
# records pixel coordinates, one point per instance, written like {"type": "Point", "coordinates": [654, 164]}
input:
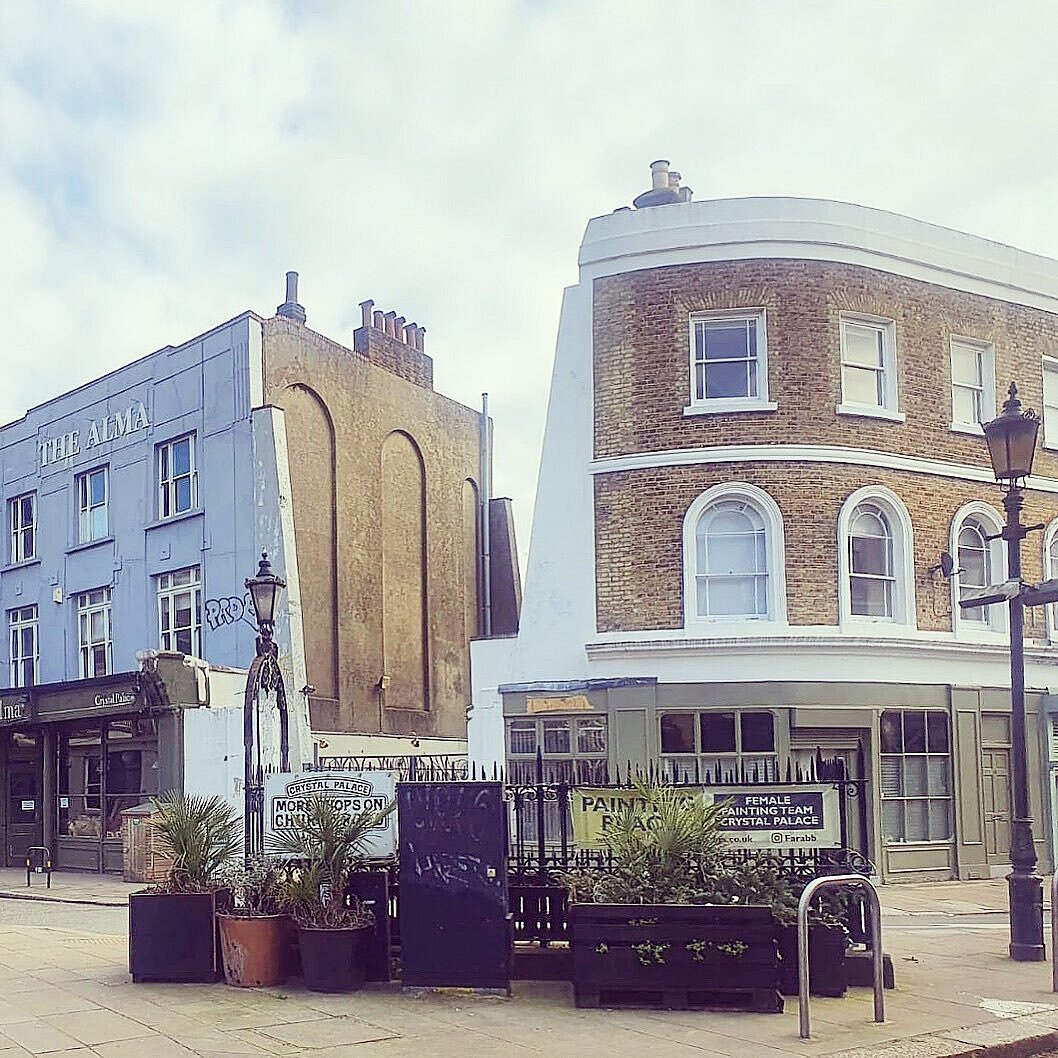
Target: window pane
{"type": "Point", "coordinates": [728, 380]}
{"type": "Point", "coordinates": [965, 365]}
{"type": "Point", "coordinates": [99, 523]}
{"type": "Point", "coordinates": [915, 776]}
{"type": "Point", "coordinates": [183, 641]}
{"type": "Point", "coordinates": [863, 345]}
{"type": "Point", "coordinates": [97, 488]}
{"type": "Point", "coordinates": [758, 732]}
{"type": "Point", "coordinates": [728, 340]}
{"type": "Point", "coordinates": [182, 457]}
{"type": "Point", "coordinates": [731, 553]}
{"type": "Point", "coordinates": [522, 736]}
{"type": "Point", "coordinates": [893, 820]}
{"type": "Point", "coordinates": [917, 822]}
{"type": "Point", "coordinates": [937, 726]}
{"type": "Point", "coordinates": [939, 820]}
{"type": "Point", "coordinates": [890, 731]}
{"type": "Point", "coordinates": [591, 736]}
{"type": "Point", "coordinates": [677, 733]}
{"type": "Point", "coordinates": [965, 405]}
{"type": "Point", "coordinates": [557, 736]}
{"type": "Point", "coordinates": [183, 494]}
{"type": "Point", "coordinates": [871, 598]}
{"type": "Point", "coordinates": [892, 777]}
{"type": "Point", "coordinates": [733, 597]}
{"type": "Point", "coordinates": [914, 732]}
{"type": "Point", "coordinates": [938, 775]}
{"type": "Point", "coordinates": [718, 732]}
{"type": "Point", "coordinates": [862, 386]}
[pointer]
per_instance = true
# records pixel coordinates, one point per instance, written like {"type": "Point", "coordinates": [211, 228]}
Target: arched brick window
{"type": "Point", "coordinates": [733, 557]}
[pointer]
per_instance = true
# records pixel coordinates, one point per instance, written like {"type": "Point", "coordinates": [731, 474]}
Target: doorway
{"type": "Point", "coordinates": [23, 810]}
{"type": "Point", "coordinates": [995, 773]}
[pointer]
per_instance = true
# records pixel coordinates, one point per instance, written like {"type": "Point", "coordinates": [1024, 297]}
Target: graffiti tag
{"type": "Point", "coordinates": [229, 611]}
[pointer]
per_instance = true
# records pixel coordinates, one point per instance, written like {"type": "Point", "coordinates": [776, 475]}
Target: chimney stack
{"type": "Point", "coordinates": [665, 187]}
{"type": "Point", "coordinates": [290, 308]}
{"type": "Point", "coordinates": [365, 312]}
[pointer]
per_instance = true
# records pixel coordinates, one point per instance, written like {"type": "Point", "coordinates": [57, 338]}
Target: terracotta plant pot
{"type": "Point", "coordinates": [255, 949]}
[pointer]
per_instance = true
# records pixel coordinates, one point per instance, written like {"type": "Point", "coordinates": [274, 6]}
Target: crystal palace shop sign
{"type": "Point", "coordinates": [108, 428]}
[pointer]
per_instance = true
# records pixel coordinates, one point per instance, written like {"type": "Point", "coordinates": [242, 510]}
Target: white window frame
{"type": "Point", "coordinates": [18, 620]}
{"type": "Point", "coordinates": [889, 408]}
{"type": "Point", "coordinates": [988, 521]}
{"type": "Point", "coordinates": [723, 405]}
{"type": "Point", "coordinates": [88, 603]}
{"type": "Point", "coordinates": [20, 530]}
{"type": "Point", "coordinates": [768, 509]}
{"type": "Point", "coordinates": [1050, 566]}
{"type": "Point", "coordinates": [929, 796]}
{"type": "Point", "coordinates": [85, 508]}
{"type": "Point", "coordinates": [905, 616]}
{"type": "Point", "coordinates": [987, 353]}
{"type": "Point", "coordinates": [168, 591]}
{"type": "Point", "coordinates": [167, 485]}
{"type": "Point", "coordinates": [1050, 406]}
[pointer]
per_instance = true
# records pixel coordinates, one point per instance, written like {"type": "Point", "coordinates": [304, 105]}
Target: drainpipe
{"type": "Point", "coordinates": [486, 485]}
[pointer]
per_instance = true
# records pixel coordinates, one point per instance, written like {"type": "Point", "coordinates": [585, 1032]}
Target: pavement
{"type": "Point", "coordinates": [66, 991]}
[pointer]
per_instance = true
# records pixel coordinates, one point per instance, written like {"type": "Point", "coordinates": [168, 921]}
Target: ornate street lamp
{"type": "Point", "coordinates": [264, 592]}
{"type": "Point", "coordinates": [264, 678]}
{"type": "Point", "coordinates": [1011, 442]}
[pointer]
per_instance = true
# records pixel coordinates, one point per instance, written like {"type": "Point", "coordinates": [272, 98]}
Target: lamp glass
{"type": "Point", "coordinates": [264, 592]}
{"type": "Point", "coordinates": [1012, 445]}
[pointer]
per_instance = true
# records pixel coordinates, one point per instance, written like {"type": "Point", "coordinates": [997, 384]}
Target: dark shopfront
{"type": "Point", "coordinates": [73, 757]}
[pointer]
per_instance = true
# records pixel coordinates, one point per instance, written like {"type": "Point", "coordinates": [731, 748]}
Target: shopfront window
{"type": "Point", "coordinates": [916, 775]}
{"type": "Point", "coordinates": [574, 749]}
{"type": "Point", "coordinates": [104, 769]}
{"type": "Point", "coordinates": [738, 743]}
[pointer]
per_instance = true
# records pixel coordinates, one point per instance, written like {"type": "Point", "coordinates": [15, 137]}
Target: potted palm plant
{"type": "Point", "coordinates": [172, 926]}
{"type": "Point", "coordinates": [255, 933]}
{"type": "Point", "coordinates": [666, 925]}
{"type": "Point", "coordinates": [326, 845]}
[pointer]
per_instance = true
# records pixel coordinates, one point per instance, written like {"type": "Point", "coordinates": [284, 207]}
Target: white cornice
{"type": "Point", "coordinates": [815, 229]}
{"type": "Point", "coordinates": [864, 457]}
{"type": "Point", "coordinates": [671, 643]}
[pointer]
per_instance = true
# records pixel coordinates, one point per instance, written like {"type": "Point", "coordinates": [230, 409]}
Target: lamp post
{"type": "Point", "coordinates": [264, 675]}
{"type": "Point", "coordinates": [1011, 439]}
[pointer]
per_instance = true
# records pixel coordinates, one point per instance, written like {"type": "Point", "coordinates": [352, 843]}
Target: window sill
{"type": "Point", "coordinates": [728, 406]}
{"type": "Point", "coordinates": [882, 626]}
{"type": "Point", "coordinates": [24, 564]}
{"type": "Point", "coordinates": [195, 512]}
{"type": "Point", "coordinates": [973, 428]}
{"type": "Point", "coordinates": [868, 412]}
{"type": "Point", "coordinates": [90, 544]}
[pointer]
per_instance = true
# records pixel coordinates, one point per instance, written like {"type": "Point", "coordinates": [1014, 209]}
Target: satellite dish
{"type": "Point", "coordinates": [947, 564]}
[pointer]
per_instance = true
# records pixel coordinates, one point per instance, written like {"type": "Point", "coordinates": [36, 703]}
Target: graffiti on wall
{"type": "Point", "coordinates": [230, 610]}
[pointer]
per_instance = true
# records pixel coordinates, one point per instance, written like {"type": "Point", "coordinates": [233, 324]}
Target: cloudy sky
{"type": "Point", "coordinates": [162, 164]}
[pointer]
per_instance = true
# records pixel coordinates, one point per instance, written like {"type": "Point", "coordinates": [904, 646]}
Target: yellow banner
{"type": "Point", "coordinates": [595, 810]}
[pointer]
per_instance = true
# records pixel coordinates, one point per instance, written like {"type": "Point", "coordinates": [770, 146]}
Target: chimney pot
{"type": "Point", "coordinates": [365, 312]}
{"type": "Point", "coordinates": [389, 318]}
{"type": "Point", "coordinates": [409, 334]}
{"type": "Point", "coordinates": [290, 308]}
{"type": "Point", "coordinates": [398, 328]}
{"type": "Point", "coordinates": [420, 339]}
{"type": "Point", "coordinates": [377, 320]}
{"type": "Point", "coordinates": [674, 180]}
{"type": "Point", "coordinates": [659, 174]}
{"type": "Point", "coordinates": [685, 194]}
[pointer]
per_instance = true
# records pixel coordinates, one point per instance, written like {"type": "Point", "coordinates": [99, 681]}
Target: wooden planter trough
{"type": "Point", "coordinates": [675, 956]}
{"type": "Point", "coordinates": [173, 936]}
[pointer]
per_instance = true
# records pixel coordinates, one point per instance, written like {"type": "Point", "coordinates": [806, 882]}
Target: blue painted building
{"type": "Point", "coordinates": [135, 506]}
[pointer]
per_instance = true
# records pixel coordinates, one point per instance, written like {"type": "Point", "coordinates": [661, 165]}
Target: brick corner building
{"type": "Point", "coordinates": [763, 432]}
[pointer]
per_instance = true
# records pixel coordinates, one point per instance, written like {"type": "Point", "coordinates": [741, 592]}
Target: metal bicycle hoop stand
{"type": "Point", "coordinates": [45, 863]}
{"type": "Point", "coordinates": [807, 896]}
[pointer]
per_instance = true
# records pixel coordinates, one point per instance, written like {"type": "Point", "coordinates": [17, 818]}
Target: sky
{"type": "Point", "coordinates": [163, 164]}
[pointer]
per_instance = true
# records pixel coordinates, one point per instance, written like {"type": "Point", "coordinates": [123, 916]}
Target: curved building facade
{"type": "Point", "coordinates": [763, 433]}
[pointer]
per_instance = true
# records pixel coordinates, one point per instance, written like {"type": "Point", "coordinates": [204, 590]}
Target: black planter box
{"type": "Point", "coordinates": [174, 937]}
{"type": "Point", "coordinates": [827, 969]}
{"type": "Point", "coordinates": [375, 944]}
{"type": "Point", "coordinates": [675, 956]}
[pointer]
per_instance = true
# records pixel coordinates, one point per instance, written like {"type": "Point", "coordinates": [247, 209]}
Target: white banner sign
{"type": "Point", "coordinates": [287, 796]}
{"type": "Point", "coordinates": [780, 817]}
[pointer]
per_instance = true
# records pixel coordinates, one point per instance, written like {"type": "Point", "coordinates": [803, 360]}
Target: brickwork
{"type": "Point", "coordinates": [642, 353]}
{"type": "Point", "coordinates": [642, 385]}
{"type": "Point", "coordinates": [639, 544]}
{"type": "Point", "coordinates": [340, 410]}
{"type": "Point", "coordinates": [394, 355]}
